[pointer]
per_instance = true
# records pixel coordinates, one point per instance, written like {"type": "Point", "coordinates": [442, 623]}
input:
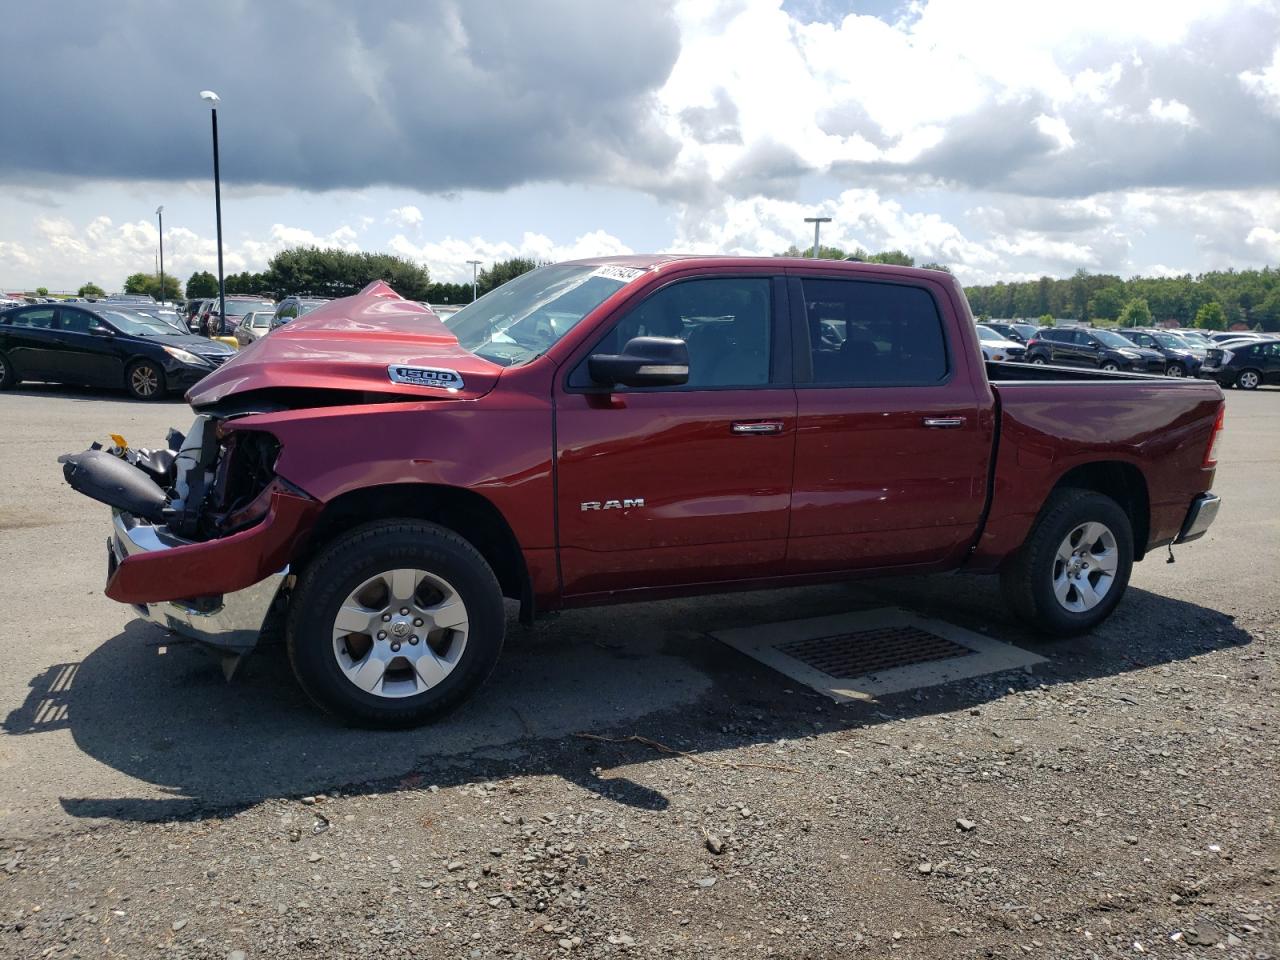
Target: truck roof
{"type": "Point", "coordinates": [646, 261]}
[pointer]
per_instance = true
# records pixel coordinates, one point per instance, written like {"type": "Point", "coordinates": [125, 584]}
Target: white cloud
{"type": "Point", "coordinates": [1266, 241]}
{"type": "Point", "coordinates": [446, 260]}
{"type": "Point", "coordinates": [1265, 83]}
{"type": "Point", "coordinates": [1056, 129]}
{"type": "Point", "coordinates": [406, 216]}
{"type": "Point", "coordinates": [1172, 111]}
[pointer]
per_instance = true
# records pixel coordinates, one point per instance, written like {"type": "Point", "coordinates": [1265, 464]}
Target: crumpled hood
{"type": "Point", "coordinates": [373, 342]}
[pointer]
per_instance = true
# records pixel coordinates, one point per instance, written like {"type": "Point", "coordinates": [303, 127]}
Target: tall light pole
{"type": "Point", "coordinates": [475, 264]}
{"type": "Point", "coordinates": [817, 225]}
{"type": "Point", "coordinates": [160, 217]}
{"type": "Point", "coordinates": [212, 98]}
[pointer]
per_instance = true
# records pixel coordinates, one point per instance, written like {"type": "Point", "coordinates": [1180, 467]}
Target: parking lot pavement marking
{"type": "Point", "coordinates": [867, 654]}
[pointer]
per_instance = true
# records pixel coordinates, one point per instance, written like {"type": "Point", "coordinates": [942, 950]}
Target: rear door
{"type": "Point", "coordinates": [893, 441]}
{"type": "Point", "coordinates": [31, 341]}
{"type": "Point", "coordinates": [690, 484]}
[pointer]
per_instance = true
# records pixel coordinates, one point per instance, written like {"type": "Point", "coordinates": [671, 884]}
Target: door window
{"type": "Point", "coordinates": [873, 334]}
{"type": "Point", "coordinates": [77, 321]}
{"type": "Point", "coordinates": [41, 319]}
{"type": "Point", "coordinates": [726, 322]}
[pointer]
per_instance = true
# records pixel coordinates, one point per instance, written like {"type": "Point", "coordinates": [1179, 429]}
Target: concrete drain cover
{"type": "Point", "coordinates": [864, 655]}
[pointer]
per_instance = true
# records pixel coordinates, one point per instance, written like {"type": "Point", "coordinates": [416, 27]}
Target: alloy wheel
{"type": "Point", "coordinates": [1249, 380]}
{"type": "Point", "coordinates": [144, 380]}
{"type": "Point", "coordinates": [1175, 370]}
{"type": "Point", "coordinates": [1084, 567]}
{"type": "Point", "coordinates": [400, 633]}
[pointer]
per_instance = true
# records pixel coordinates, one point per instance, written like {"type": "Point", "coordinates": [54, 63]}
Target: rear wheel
{"type": "Point", "coordinates": [1249, 380]}
{"type": "Point", "coordinates": [1039, 361]}
{"type": "Point", "coordinates": [1111, 366]}
{"type": "Point", "coordinates": [1176, 370]}
{"type": "Point", "coordinates": [7, 377]}
{"type": "Point", "coordinates": [144, 380]}
{"type": "Point", "coordinates": [395, 623]}
{"type": "Point", "coordinates": [1074, 566]}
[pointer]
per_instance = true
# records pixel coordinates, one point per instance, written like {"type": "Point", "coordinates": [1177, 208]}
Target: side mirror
{"type": "Point", "coordinates": [643, 362]}
{"type": "Point", "coordinates": [98, 330]}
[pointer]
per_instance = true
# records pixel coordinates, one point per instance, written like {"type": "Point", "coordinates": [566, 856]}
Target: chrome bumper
{"type": "Point", "coordinates": [231, 623]}
{"type": "Point", "coordinates": [1203, 511]}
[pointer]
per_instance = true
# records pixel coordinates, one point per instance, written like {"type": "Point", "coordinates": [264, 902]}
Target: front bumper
{"type": "Point", "coordinates": [230, 622]}
{"type": "Point", "coordinates": [1202, 512]}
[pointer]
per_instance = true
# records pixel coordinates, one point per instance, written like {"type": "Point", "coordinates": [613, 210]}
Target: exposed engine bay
{"type": "Point", "coordinates": [202, 485]}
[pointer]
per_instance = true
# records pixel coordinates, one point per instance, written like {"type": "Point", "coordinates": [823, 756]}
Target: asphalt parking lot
{"type": "Point", "coordinates": [1118, 798]}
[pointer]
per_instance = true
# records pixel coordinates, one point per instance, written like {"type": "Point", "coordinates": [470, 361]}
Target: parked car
{"type": "Point", "coordinates": [193, 309]}
{"type": "Point", "coordinates": [290, 308]}
{"type": "Point", "coordinates": [1197, 338]}
{"type": "Point", "coordinates": [253, 326]}
{"type": "Point", "coordinates": [1180, 359]}
{"type": "Point", "coordinates": [1218, 336]}
{"type": "Point", "coordinates": [1090, 347]}
{"type": "Point", "coordinates": [619, 429]}
{"type": "Point", "coordinates": [103, 345]}
{"type": "Point", "coordinates": [211, 325]}
{"type": "Point", "coordinates": [995, 346]}
{"type": "Point", "coordinates": [1246, 364]}
{"type": "Point", "coordinates": [1017, 332]}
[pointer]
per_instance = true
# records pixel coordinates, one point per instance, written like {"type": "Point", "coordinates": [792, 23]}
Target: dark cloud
{"type": "Point", "coordinates": [717, 123]}
{"type": "Point", "coordinates": [767, 168]}
{"type": "Point", "coordinates": [428, 94]}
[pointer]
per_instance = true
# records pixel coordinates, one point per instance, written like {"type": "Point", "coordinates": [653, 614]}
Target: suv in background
{"type": "Point", "coordinates": [1017, 332]}
{"type": "Point", "coordinates": [1089, 347]}
{"type": "Point", "coordinates": [237, 307]}
{"type": "Point", "coordinates": [193, 311]}
{"type": "Point", "coordinates": [1247, 364]}
{"type": "Point", "coordinates": [1180, 358]}
{"type": "Point", "coordinates": [290, 308]}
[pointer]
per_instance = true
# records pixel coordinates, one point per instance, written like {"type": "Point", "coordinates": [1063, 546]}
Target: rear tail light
{"type": "Point", "coordinates": [1211, 454]}
{"type": "Point", "coordinates": [1032, 342]}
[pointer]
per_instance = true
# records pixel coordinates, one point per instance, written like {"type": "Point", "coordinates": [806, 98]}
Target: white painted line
{"type": "Point", "coordinates": [988, 656]}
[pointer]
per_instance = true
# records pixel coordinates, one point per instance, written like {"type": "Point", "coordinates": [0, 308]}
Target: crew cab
{"type": "Point", "coordinates": [630, 428]}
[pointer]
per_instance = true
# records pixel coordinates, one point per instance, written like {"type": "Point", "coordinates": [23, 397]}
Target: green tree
{"type": "Point", "coordinates": [892, 256]}
{"type": "Point", "coordinates": [935, 266]}
{"type": "Point", "coordinates": [1267, 311]}
{"type": "Point", "coordinates": [501, 272]}
{"type": "Point", "coordinates": [91, 290]}
{"type": "Point", "coordinates": [202, 284]}
{"type": "Point", "coordinates": [136, 283]}
{"type": "Point", "coordinates": [1107, 303]}
{"type": "Point", "coordinates": [148, 284]}
{"type": "Point", "coordinates": [340, 273]}
{"type": "Point", "coordinates": [1136, 313]}
{"type": "Point", "coordinates": [42, 291]}
{"type": "Point", "coordinates": [1046, 320]}
{"type": "Point", "coordinates": [1211, 316]}
{"type": "Point", "coordinates": [824, 252]}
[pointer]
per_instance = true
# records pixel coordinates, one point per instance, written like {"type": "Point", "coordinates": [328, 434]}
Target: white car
{"type": "Point", "coordinates": [996, 347]}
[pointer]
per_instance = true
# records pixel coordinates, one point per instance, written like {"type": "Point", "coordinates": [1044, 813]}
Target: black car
{"type": "Point", "coordinates": [1180, 360]}
{"type": "Point", "coordinates": [1246, 364]}
{"type": "Point", "coordinates": [292, 307]}
{"type": "Point", "coordinates": [103, 346]}
{"type": "Point", "coordinates": [1090, 347]}
{"type": "Point", "coordinates": [1017, 332]}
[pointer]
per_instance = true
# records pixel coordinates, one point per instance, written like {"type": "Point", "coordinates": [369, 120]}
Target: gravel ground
{"type": "Point", "coordinates": [1120, 799]}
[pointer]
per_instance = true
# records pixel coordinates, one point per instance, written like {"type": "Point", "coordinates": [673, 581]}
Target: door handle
{"type": "Point", "coordinates": [943, 423]}
{"type": "Point", "coordinates": [757, 427]}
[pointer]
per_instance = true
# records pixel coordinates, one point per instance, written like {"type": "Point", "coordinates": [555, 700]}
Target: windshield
{"type": "Point", "coordinates": [1170, 341]}
{"type": "Point", "coordinates": [238, 308]}
{"type": "Point", "coordinates": [140, 324]}
{"type": "Point", "coordinates": [260, 319]}
{"type": "Point", "coordinates": [1112, 339]}
{"type": "Point", "coordinates": [521, 319]}
{"type": "Point", "coordinates": [986, 333]}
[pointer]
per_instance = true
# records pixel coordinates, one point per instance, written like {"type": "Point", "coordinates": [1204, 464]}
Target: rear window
{"type": "Point", "coordinates": [873, 334]}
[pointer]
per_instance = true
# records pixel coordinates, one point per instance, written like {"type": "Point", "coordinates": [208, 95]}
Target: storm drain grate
{"type": "Point", "coordinates": [872, 651]}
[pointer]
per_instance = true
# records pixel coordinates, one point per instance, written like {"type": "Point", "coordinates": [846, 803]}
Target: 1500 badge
{"type": "Point", "coordinates": [438, 377]}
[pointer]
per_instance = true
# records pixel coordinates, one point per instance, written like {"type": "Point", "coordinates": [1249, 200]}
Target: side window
{"type": "Point", "coordinates": [41, 319]}
{"type": "Point", "coordinates": [77, 321]}
{"type": "Point", "coordinates": [725, 322]}
{"type": "Point", "coordinates": [873, 334]}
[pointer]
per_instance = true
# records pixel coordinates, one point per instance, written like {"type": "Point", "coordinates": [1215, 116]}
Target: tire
{"type": "Point", "coordinates": [1175, 370]}
{"type": "Point", "coordinates": [144, 380]}
{"type": "Point", "coordinates": [7, 377]}
{"type": "Point", "coordinates": [1039, 361]}
{"type": "Point", "coordinates": [353, 575]}
{"type": "Point", "coordinates": [1249, 380]}
{"type": "Point", "coordinates": [1111, 366]}
{"type": "Point", "coordinates": [1033, 579]}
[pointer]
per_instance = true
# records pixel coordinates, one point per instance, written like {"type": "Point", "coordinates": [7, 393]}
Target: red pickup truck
{"type": "Point", "coordinates": [628, 428]}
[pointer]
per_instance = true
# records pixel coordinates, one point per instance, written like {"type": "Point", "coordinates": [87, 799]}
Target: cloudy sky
{"type": "Point", "coordinates": [1008, 139]}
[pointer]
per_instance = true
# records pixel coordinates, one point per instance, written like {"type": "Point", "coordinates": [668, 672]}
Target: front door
{"type": "Point", "coordinates": [893, 440]}
{"type": "Point", "coordinates": [679, 485]}
{"type": "Point", "coordinates": [87, 357]}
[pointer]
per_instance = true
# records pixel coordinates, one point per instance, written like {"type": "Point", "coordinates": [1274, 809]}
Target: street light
{"type": "Point", "coordinates": [474, 266]}
{"type": "Point", "coordinates": [213, 99]}
{"type": "Point", "coordinates": [160, 217]}
{"type": "Point", "coordinates": [817, 225]}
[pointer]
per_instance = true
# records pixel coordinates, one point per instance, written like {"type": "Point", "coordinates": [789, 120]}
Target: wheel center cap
{"type": "Point", "coordinates": [400, 629]}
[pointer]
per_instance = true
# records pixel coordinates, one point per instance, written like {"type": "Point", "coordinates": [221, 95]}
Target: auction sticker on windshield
{"type": "Point", "coordinates": [438, 377]}
{"type": "Point", "coordinates": [621, 274]}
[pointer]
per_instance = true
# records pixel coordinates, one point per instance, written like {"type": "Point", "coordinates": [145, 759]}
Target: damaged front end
{"type": "Point", "coordinates": [202, 531]}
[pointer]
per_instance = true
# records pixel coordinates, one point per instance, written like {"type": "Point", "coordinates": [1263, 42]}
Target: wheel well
{"type": "Point", "coordinates": [1123, 483]}
{"type": "Point", "coordinates": [467, 514]}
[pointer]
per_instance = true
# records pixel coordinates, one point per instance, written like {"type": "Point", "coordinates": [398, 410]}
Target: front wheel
{"type": "Point", "coordinates": [144, 380]}
{"type": "Point", "coordinates": [1074, 566]}
{"type": "Point", "coordinates": [1039, 361]}
{"type": "Point", "coordinates": [1248, 380]}
{"type": "Point", "coordinates": [395, 624]}
{"type": "Point", "coordinates": [1111, 366]}
{"type": "Point", "coordinates": [7, 377]}
{"type": "Point", "coordinates": [1176, 370]}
